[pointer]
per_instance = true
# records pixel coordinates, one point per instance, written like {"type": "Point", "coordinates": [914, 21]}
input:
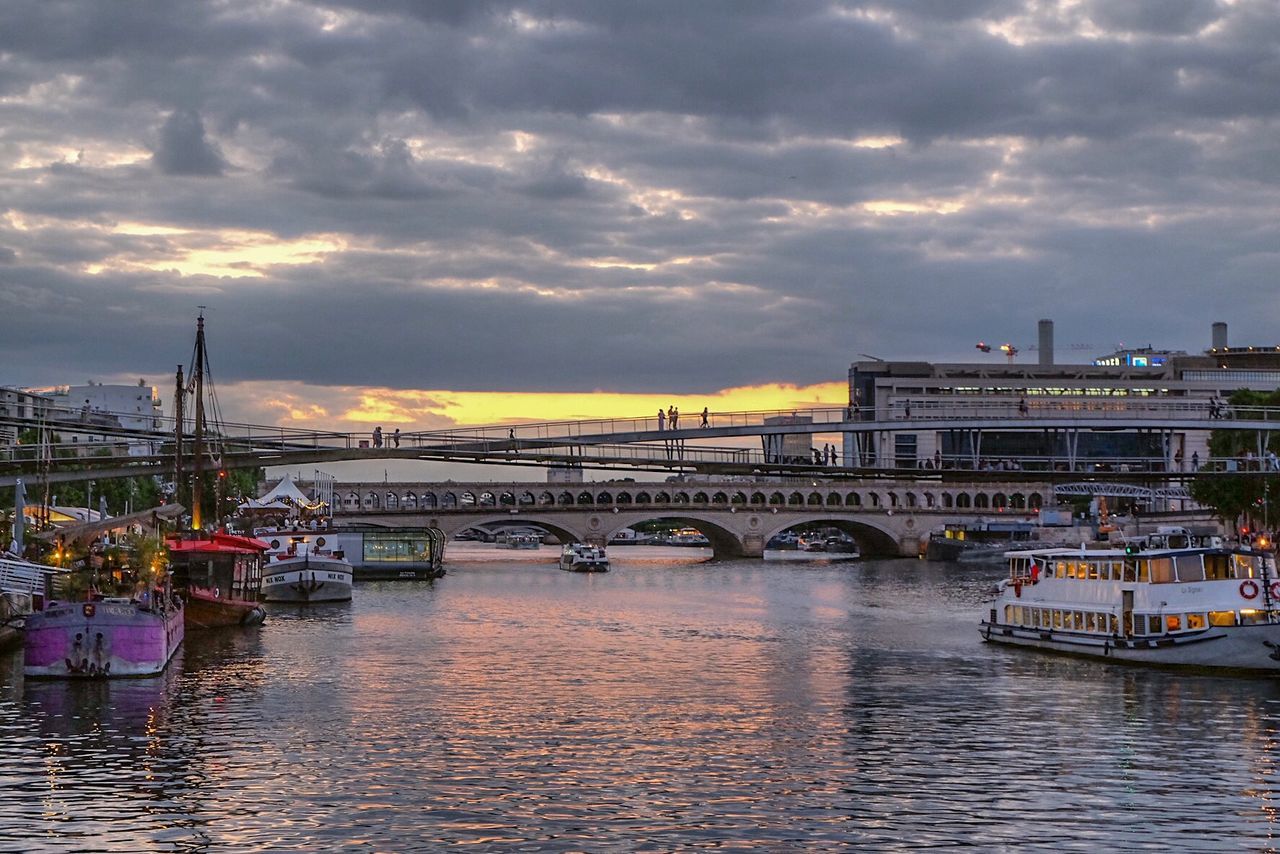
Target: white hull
{"type": "Point", "coordinates": [307, 579]}
{"type": "Point", "coordinates": [1254, 648]}
{"type": "Point", "coordinates": [585, 565]}
{"type": "Point", "coordinates": [578, 557]}
{"type": "Point", "coordinates": [1168, 600]}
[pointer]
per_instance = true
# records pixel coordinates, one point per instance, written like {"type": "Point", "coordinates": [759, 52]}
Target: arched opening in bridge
{"type": "Point", "coordinates": [694, 538]}
{"type": "Point", "coordinates": [535, 540]}
{"type": "Point", "coordinates": [828, 538]}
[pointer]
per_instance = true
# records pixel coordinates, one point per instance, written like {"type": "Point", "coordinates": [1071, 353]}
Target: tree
{"type": "Point", "coordinates": [1244, 494]}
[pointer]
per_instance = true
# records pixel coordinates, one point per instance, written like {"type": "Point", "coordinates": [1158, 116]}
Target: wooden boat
{"type": "Point", "coordinates": [219, 576]}
{"type": "Point", "coordinates": [103, 638]}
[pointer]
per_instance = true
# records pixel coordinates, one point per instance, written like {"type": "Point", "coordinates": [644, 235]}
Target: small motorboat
{"type": "Point", "coordinates": [583, 557]}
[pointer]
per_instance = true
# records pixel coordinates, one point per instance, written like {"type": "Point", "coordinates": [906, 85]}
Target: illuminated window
{"type": "Point", "coordinates": [1195, 621]}
{"type": "Point", "coordinates": [1173, 622]}
{"type": "Point", "coordinates": [1222, 618]}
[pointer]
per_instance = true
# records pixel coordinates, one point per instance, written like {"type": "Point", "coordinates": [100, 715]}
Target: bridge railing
{"type": "Point", "coordinates": [265, 440]}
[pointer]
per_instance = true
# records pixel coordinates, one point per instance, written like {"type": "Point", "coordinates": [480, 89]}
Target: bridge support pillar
{"type": "Point", "coordinates": [910, 546]}
{"type": "Point", "coordinates": [597, 540]}
{"type": "Point", "coordinates": [752, 545]}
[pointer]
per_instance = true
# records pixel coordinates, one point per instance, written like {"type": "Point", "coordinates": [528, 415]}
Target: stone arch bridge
{"type": "Point", "coordinates": [885, 517]}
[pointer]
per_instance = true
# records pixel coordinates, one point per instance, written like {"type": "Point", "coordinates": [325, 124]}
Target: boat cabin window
{"type": "Point", "coordinates": [1130, 570]}
{"type": "Point", "coordinates": [1173, 623]}
{"type": "Point", "coordinates": [1217, 567]}
{"type": "Point", "coordinates": [1246, 565]}
{"type": "Point", "coordinates": [1061, 569]}
{"type": "Point", "coordinates": [1153, 624]}
{"type": "Point", "coordinates": [1189, 567]}
{"type": "Point", "coordinates": [1161, 570]}
{"type": "Point", "coordinates": [1222, 618]}
{"type": "Point", "coordinates": [1143, 571]}
{"type": "Point", "coordinates": [1249, 616]}
{"type": "Point", "coordinates": [1195, 621]}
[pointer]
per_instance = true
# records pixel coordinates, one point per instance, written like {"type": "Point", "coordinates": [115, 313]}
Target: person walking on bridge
{"type": "Point", "coordinates": [662, 420]}
{"type": "Point", "coordinates": [705, 416]}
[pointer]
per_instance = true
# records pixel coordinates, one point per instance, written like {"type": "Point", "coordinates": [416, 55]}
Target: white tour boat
{"type": "Point", "coordinates": [303, 566]}
{"type": "Point", "coordinates": [1168, 599]}
{"type": "Point", "coordinates": [581, 557]}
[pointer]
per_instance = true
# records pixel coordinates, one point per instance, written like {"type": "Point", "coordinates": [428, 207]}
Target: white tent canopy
{"type": "Point", "coordinates": [284, 496]}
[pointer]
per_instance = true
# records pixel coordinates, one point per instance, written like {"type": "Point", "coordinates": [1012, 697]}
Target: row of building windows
{"type": "Point", "coordinates": [414, 501]}
{"type": "Point", "coordinates": [1030, 392]}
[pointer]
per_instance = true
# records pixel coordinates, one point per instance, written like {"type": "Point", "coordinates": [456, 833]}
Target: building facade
{"type": "Point", "coordinates": [885, 390]}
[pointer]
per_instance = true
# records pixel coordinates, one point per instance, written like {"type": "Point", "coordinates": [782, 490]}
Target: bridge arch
{"type": "Point", "coordinates": [725, 543]}
{"type": "Point", "coordinates": [872, 538]}
{"type": "Point", "coordinates": [457, 525]}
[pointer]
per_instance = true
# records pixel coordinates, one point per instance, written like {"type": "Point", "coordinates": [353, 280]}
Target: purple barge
{"type": "Point", "coordinates": [106, 638]}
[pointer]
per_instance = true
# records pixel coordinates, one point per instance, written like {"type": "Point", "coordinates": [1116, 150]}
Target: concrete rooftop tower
{"type": "Point", "coordinates": [1046, 343]}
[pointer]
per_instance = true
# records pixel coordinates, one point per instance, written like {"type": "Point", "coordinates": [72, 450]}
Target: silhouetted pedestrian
{"type": "Point", "coordinates": [662, 420]}
{"type": "Point", "coordinates": [395, 438]}
{"type": "Point", "coordinates": [705, 416]}
{"type": "Point", "coordinates": [377, 436]}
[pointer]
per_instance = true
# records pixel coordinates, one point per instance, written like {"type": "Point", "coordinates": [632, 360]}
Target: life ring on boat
{"type": "Point", "coordinates": [1275, 590]}
{"type": "Point", "coordinates": [1249, 588]}
{"type": "Point", "coordinates": [217, 593]}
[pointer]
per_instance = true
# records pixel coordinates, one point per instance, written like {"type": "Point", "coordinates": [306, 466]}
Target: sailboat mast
{"type": "Point", "coordinates": [197, 448]}
{"type": "Point", "coordinates": [178, 415]}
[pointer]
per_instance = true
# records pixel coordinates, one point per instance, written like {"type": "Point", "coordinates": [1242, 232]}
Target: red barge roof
{"type": "Point", "coordinates": [224, 543]}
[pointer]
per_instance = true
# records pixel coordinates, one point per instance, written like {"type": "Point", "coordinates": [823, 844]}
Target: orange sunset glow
{"type": "Point", "coordinates": [349, 408]}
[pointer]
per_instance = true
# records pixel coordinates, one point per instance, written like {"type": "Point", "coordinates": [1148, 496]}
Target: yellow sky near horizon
{"type": "Point", "coordinates": [353, 407]}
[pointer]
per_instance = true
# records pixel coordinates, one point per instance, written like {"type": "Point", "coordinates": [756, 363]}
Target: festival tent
{"type": "Point", "coordinates": [284, 497]}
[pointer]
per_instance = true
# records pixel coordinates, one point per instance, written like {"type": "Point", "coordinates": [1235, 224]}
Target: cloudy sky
{"type": "Point", "coordinates": [413, 211]}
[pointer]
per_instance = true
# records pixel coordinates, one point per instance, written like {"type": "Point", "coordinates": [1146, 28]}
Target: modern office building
{"type": "Point", "coordinates": [886, 390]}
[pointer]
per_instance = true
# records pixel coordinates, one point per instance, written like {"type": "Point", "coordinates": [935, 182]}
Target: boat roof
{"type": "Point", "coordinates": [217, 542]}
{"type": "Point", "coordinates": [1109, 553]}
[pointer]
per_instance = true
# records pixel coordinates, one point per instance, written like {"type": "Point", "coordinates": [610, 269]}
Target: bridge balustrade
{"type": "Point", "coordinates": [885, 496]}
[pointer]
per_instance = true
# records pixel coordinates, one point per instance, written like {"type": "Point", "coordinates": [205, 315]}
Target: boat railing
{"type": "Point", "coordinates": [20, 576]}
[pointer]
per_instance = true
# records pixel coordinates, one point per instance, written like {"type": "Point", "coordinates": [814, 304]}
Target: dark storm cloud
{"type": "Point", "coordinates": [184, 149]}
{"type": "Point", "coordinates": [464, 194]}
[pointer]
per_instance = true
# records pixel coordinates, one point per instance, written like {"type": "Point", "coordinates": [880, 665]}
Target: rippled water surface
{"type": "Point", "coordinates": [665, 705]}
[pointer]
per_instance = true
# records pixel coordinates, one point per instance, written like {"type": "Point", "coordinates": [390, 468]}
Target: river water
{"type": "Point", "coordinates": [666, 705]}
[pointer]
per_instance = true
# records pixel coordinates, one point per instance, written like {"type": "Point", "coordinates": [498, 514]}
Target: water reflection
{"type": "Point", "coordinates": [655, 707]}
